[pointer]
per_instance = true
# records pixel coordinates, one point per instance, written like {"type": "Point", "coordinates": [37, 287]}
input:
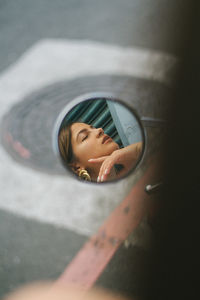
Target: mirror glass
{"type": "Point", "coordinates": [99, 139]}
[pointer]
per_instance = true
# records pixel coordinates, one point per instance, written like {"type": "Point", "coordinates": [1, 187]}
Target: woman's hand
{"type": "Point", "coordinates": [127, 157]}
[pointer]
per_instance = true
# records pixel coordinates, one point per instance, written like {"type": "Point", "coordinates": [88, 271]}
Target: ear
{"type": "Point", "coordinates": [76, 167]}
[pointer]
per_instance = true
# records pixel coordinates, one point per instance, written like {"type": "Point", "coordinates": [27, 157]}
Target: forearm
{"type": "Point", "coordinates": [127, 157]}
{"type": "Point", "coordinates": [132, 152]}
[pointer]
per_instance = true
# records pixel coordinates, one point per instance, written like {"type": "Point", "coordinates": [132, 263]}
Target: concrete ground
{"type": "Point", "coordinates": [52, 52]}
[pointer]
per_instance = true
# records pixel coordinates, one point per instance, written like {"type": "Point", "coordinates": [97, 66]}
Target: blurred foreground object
{"type": "Point", "coordinates": [48, 291]}
{"type": "Point", "coordinates": [175, 265]}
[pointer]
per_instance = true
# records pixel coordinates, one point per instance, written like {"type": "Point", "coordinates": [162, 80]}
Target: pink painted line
{"type": "Point", "coordinates": [92, 259]}
{"type": "Point", "coordinates": [17, 146]}
{"type": "Point", "coordinates": [22, 151]}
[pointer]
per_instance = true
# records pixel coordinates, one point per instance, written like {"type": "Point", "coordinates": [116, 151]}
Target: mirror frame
{"type": "Point", "coordinates": [86, 97]}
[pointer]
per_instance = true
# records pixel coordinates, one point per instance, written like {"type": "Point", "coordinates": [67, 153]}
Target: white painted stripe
{"type": "Point", "coordinates": [57, 200]}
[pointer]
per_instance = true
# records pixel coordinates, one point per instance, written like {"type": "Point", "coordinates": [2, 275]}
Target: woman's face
{"type": "Point", "coordinates": [89, 142]}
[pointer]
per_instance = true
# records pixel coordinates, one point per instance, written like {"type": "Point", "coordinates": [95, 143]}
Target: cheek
{"type": "Point", "coordinates": [107, 149]}
{"type": "Point", "coordinates": [85, 151]}
{"type": "Point", "coordinates": [93, 149]}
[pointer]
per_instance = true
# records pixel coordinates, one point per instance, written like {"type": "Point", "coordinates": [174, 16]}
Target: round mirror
{"type": "Point", "coordinates": [98, 138]}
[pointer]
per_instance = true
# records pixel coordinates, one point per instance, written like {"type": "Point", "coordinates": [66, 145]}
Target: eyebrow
{"type": "Point", "coordinates": [83, 130]}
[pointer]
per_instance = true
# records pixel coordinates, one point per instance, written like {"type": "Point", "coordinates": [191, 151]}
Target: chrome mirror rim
{"type": "Point", "coordinates": [86, 97]}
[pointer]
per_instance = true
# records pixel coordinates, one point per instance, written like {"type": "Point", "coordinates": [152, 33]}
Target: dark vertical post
{"type": "Point", "coordinates": [174, 267]}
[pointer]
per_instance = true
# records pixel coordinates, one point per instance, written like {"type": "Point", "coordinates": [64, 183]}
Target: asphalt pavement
{"type": "Point", "coordinates": [51, 52]}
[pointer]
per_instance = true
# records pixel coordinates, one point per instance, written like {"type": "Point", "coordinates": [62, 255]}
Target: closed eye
{"type": "Point", "coordinates": [85, 137]}
{"type": "Point", "coordinates": [87, 133]}
{"type": "Point", "coordinates": [84, 132]}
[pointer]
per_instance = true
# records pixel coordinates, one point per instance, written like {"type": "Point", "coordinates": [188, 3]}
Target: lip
{"type": "Point", "coordinates": [106, 139]}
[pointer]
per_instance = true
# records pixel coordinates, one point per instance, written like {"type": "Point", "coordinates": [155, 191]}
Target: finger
{"type": "Point", "coordinates": [101, 172]}
{"type": "Point", "coordinates": [109, 176]}
{"type": "Point", "coordinates": [105, 170]}
{"type": "Point", "coordinates": [97, 160]}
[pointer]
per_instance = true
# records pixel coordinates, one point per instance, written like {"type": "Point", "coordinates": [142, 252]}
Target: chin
{"type": "Point", "coordinates": [108, 149]}
{"type": "Point", "coordinates": [114, 146]}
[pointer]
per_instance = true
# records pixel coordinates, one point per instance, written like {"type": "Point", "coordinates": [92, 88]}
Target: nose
{"type": "Point", "coordinates": [99, 132]}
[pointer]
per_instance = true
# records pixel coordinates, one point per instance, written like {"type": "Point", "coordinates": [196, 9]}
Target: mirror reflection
{"type": "Point", "coordinates": [100, 140]}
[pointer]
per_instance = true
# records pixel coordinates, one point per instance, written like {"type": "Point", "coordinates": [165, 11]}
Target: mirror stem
{"type": "Point", "coordinates": [150, 188]}
{"type": "Point", "coordinates": [152, 122]}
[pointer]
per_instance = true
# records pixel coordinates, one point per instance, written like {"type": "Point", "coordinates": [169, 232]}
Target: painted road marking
{"type": "Point", "coordinates": [42, 197]}
{"type": "Point", "coordinates": [94, 256]}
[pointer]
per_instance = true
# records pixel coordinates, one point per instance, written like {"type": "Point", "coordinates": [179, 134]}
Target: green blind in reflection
{"type": "Point", "coordinates": [95, 113]}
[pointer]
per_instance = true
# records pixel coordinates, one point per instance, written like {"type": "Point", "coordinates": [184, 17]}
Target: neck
{"type": "Point", "coordinates": [94, 171]}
